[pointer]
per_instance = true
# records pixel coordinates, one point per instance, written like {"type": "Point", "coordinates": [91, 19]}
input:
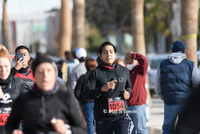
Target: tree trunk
{"type": "Point", "coordinates": [65, 32]}
{"type": "Point", "coordinates": [175, 26]}
{"type": "Point", "coordinates": [119, 38]}
{"type": "Point", "coordinates": [189, 27]}
{"type": "Point", "coordinates": [137, 14]}
{"type": "Point", "coordinates": [5, 35]}
{"type": "Point", "coordinates": [79, 24]}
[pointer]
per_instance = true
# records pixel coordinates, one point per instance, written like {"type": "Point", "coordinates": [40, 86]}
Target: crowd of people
{"type": "Point", "coordinates": [103, 95]}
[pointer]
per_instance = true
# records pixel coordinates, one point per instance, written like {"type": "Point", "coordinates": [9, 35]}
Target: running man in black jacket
{"type": "Point", "coordinates": [109, 85]}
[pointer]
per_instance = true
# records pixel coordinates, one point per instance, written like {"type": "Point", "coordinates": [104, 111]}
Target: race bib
{"type": "Point", "coordinates": [4, 114]}
{"type": "Point", "coordinates": [3, 119]}
{"type": "Point", "coordinates": [116, 104]}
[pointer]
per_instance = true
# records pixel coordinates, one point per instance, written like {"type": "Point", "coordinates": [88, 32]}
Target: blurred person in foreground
{"type": "Point", "coordinates": [188, 120]}
{"type": "Point", "coordinates": [109, 85]}
{"type": "Point", "coordinates": [120, 61]}
{"type": "Point", "coordinates": [22, 69]}
{"type": "Point", "coordinates": [46, 108]}
{"type": "Point", "coordinates": [176, 80]}
{"type": "Point", "coordinates": [86, 105]}
{"type": "Point", "coordinates": [10, 87]}
{"type": "Point", "coordinates": [80, 69]}
{"type": "Point", "coordinates": [137, 65]}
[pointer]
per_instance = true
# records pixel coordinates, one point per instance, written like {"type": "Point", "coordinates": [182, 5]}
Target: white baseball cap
{"type": "Point", "coordinates": [80, 52]}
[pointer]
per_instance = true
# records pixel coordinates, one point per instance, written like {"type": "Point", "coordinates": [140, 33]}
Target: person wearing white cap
{"type": "Point", "coordinates": [80, 69]}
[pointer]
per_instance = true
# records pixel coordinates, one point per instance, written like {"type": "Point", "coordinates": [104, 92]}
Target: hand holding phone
{"type": "Point", "coordinates": [20, 63]}
{"type": "Point", "coordinates": [111, 79]}
{"type": "Point", "coordinates": [20, 55]}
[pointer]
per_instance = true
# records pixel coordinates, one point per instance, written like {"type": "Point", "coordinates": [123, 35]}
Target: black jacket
{"type": "Point", "coordinates": [12, 88]}
{"type": "Point", "coordinates": [26, 74]}
{"type": "Point", "coordinates": [189, 118]}
{"type": "Point", "coordinates": [96, 80]}
{"type": "Point", "coordinates": [78, 91]}
{"type": "Point", "coordinates": [37, 108]}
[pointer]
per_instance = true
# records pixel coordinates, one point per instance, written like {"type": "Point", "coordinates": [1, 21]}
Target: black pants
{"type": "Point", "coordinates": [120, 125]}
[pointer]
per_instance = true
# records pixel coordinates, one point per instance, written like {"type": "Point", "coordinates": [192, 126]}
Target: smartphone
{"type": "Point", "coordinates": [20, 55]}
{"type": "Point", "coordinates": [111, 79]}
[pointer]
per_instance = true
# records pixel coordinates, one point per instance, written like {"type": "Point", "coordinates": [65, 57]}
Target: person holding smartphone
{"type": "Point", "coordinates": [22, 69]}
{"type": "Point", "coordinates": [109, 85]}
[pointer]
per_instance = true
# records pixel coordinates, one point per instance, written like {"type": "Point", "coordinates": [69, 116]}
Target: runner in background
{"type": "Point", "coordinates": [86, 105]}
{"type": "Point", "coordinates": [120, 61]}
{"type": "Point", "coordinates": [22, 69]}
{"type": "Point", "coordinates": [80, 69]}
{"type": "Point", "coordinates": [10, 87]}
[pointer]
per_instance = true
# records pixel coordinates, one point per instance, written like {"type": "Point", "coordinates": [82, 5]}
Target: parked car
{"type": "Point", "coordinates": [154, 62]}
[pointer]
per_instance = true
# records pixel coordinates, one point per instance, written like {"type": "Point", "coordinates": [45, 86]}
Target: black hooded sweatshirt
{"type": "Point", "coordinates": [105, 107]}
{"type": "Point", "coordinates": [11, 87]}
{"type": "Point", "coordinates": [36, 108]}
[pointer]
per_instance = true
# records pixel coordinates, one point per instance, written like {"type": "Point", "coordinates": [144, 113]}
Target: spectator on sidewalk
{"type": "Point", "coordinates": [86, 105]}
{"type": "Point", "coordinates": [137, 65]}
{"type": "Point", "coordinates": [176, 80]}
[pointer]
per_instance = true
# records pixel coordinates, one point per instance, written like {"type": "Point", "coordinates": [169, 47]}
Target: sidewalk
{"type": "Point", "coordinates": [156, 116]}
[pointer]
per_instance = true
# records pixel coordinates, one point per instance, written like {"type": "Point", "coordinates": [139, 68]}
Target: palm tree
{"type": "Point", "coordinates": [137, 15]}
{"type": "Point", "coordinates": [5, 25]}
{"type": "Point", "coordinates": [65, 32]}
{"type": "Point", "coordinates": [79, 24]}
{"type": "Point", "coordinates": [189, 26]}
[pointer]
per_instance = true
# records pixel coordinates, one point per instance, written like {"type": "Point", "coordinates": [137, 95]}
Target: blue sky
{"type": "Point", "coordinates": [23, 7]}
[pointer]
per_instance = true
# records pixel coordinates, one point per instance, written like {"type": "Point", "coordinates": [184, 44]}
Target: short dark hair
{"type": "Point", "coordinates": [106, 44]}
{"type": "Point", "coordinates": [21, 47]}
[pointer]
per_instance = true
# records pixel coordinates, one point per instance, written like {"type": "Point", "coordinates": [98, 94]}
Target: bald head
{"type": "Point", "coordinates": [129, 58]}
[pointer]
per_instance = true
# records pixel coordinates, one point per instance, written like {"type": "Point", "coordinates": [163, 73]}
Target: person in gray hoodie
{"type": "Point", "coordinates": [176, 80]}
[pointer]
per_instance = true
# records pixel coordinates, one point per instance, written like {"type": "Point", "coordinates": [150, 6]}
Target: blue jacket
{"type": "Point", "coordinates": [177, 80]}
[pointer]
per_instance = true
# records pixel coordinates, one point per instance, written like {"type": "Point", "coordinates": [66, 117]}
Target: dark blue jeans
{"type": "Point", "coordinates": [170, 114]}
{"type": "Point", "coordinates": [87, 109]}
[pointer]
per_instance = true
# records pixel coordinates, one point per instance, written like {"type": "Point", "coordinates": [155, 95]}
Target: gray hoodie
{"type": "Point", "coordinates": [176, 58]}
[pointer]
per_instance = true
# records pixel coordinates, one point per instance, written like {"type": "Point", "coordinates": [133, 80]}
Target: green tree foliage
{"type": "Point", "coordinates": [112, 12]}
{"type": "Point", "coordinates": [93, 40]}
{"type": "Point", "coordinates": [198, 35]}
{"type": "Point", "coordinates": [157, 16]}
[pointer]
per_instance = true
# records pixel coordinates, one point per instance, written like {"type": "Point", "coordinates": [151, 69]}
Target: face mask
{"type": "Point", "coordinates": [130, 66]}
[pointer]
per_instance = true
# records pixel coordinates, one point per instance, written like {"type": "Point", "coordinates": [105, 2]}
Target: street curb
{"type": "Point", "coordinates": [152, 130]}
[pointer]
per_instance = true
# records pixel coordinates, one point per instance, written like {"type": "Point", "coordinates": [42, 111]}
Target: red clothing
{"type": "Point", "coordinates": [27, 76]}
{"type": "Point", "coordinates": [138, 81]}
